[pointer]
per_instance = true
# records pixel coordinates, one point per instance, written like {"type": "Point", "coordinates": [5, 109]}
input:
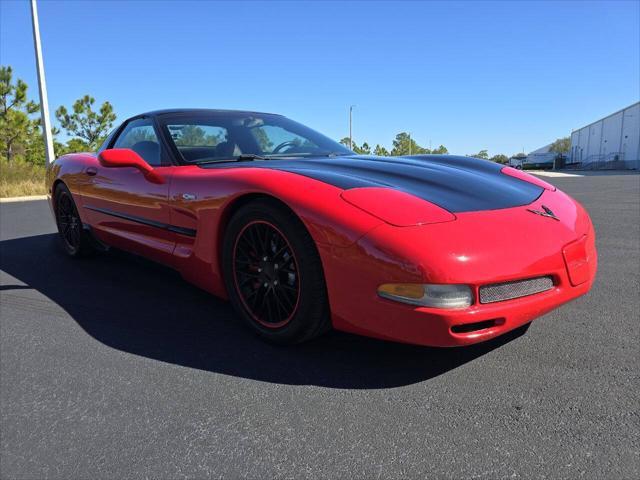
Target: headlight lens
{"type": "Point", "coordinates": [428, 295]}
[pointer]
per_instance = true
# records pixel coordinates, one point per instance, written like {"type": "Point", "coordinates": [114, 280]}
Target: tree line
{"type": "Point", "coordinates": [87, 127]}
{"type": "Point", "coordinates": [20, 128]}
{"type": "Point", "coordinates": [403, 144]}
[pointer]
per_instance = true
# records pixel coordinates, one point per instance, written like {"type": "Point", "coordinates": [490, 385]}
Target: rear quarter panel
{"type": "Point", "coordinates": [70, 169]}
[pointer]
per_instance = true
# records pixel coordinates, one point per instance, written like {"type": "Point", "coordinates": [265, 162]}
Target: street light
{"type": "Point", "coordinates": [350, 125]}
{"type": "Point", "coordinates": [42, 87]}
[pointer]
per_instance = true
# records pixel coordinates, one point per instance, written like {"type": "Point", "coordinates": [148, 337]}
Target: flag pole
{"type": "Point", "coordinates": [42, 87]}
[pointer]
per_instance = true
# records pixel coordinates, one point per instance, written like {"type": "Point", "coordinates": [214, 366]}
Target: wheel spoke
{"type": "Point", "coordinates": [246, 252]}
{"type": "Point", "coordinates": [69, 224]}
{"type": "Point", "coordinates": [269, 305]}
{"type": "Point", "coordinates": [280, 252]}
{"type": "Point", "coordinates": [287, 261]}
{"type": "Point", "coordinates": [256, 242]}
{"type": "Point", "coordinates": [282, 300]}
{"type": "Point", "coordinates": [246, 262]}
{"type": "Point", "coordinates": [247, 279]}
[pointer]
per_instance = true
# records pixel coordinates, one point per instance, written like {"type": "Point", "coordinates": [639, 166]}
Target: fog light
{"type": "Point", "coordinates": [428, 295]}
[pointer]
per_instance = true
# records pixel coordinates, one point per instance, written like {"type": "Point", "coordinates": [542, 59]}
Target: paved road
{"type": "Point", "coordinates": [114, 367]}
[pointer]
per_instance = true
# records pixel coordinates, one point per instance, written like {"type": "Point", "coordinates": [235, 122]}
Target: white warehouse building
{"type": "Point", "coordinates": [611, 142]}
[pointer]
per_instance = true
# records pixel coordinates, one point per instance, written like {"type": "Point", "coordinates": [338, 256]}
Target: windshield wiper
{"type": "Point", "coordinates": [244, 157]}
{"type": "Point", "coordinates": [248, 157]}
{"type": "Point", "coordinates": [334, 154]}
{"type": "Point", "coordinates": [307, 155]}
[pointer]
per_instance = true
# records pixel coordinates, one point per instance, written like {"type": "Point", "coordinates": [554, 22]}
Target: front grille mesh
{"type": "Point", "coordinates": [499, 292]}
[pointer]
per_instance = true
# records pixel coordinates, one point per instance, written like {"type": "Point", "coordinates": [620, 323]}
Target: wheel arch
{"type": "Point", "coordinates": [56, 183]}
{"type": "Point", "coordinates": [54, 187]}
{"type": "Point", "coordinates": [237, 203]}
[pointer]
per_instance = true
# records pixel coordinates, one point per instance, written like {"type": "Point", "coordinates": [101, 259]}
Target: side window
{"type": "Point", "coordinates": [140, 136]}
{"type": "Point", "coordinates": [197, 135]}
{"type": "Point", "coordinates": [197, 142]}
{"type": "Point", "coordinates": [274, 139]}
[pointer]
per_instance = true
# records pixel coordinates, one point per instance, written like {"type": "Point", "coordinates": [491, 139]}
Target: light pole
{"type": "Point", "coordinates": [42, 87]}
{"type": "Point", "coordinates": [350, 126]}
{"type": "Point", "coordinates": [409, 143]}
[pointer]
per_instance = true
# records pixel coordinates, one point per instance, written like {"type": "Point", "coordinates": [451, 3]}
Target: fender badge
{"type": "Point", "coordinates": [546, 213]}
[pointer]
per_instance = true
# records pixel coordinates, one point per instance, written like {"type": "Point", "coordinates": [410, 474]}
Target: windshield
{"type": "Point", "coordinates": [225, 136]}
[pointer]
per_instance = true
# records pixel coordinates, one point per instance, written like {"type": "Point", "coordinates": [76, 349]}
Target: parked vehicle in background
{"type": "Point", "coordinates": [540, 161]}
{"type": "Point", "coordinates": [517, 161]}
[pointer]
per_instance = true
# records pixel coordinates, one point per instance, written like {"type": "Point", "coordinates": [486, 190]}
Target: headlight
{"type": "Point", "coordinates": [428, 295]}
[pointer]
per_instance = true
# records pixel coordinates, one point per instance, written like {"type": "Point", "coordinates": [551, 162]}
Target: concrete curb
{"type": "Point", "coordinates": [23, 199]}
{"type": "Point", "coordinates": [546, 173]}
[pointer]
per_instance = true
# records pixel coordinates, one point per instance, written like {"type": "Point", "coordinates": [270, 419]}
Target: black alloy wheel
{"type": "Point", "coordinates": [266, 274]}
{"type": "Point", "coordinates": [273, 273]}
{"type": "Point", "coordinates": [74, 238]}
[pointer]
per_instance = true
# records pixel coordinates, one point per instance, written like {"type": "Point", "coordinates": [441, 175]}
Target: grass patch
{"type": "Point", "coordinates": [19, 178]}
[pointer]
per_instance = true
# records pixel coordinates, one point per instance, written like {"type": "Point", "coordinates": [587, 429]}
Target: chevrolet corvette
{"type": "Point", "coordinates": [302, 235]}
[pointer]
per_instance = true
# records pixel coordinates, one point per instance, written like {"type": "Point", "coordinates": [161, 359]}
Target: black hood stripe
{"type": "Point", "coordinates": [457, 184]}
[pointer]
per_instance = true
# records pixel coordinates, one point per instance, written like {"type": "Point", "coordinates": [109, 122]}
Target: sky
{"type": "Point", "coordinates": [501, 76]}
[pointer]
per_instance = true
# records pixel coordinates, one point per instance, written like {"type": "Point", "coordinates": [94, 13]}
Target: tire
{"type": "Point", "coordinates": [74, 239]}
{"type": "Point", "coordinates": [273, 274]}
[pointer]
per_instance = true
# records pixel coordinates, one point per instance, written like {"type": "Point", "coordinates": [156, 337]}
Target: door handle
{"type": "Point", "coordinates": [91, 171]}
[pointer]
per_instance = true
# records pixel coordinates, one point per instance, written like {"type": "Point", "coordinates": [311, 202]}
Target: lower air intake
{"type": "Point", "coordinates": [499, 292]}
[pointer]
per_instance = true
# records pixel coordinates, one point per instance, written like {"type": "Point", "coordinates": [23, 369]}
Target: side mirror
{"type": "Point", "coordinates": [125, 157]}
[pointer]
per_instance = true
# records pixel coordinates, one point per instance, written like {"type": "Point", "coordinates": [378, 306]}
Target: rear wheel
{"type": "Point", "coordinates": [74, 239]}
{"type": "Point", "coordinates": [274, 275]}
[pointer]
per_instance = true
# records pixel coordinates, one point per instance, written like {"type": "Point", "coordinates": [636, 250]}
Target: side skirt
{"type": "Point", "coordinates": [95, 243]}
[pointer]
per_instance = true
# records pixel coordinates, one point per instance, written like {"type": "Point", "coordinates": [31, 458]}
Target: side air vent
{"type": "Point", "coordinates": [499, 292]}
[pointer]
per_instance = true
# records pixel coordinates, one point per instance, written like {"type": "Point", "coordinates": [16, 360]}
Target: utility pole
{"type": "Point", "coordinates": [350, 126]}
{"type": "Point", "coordinates": [42, 87]}
{"type": "Point", "coordinates": [409, 143]}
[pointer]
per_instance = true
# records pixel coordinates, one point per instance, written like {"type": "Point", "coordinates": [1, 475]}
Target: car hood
{"type": "Point", "coordinates": [457, 184]}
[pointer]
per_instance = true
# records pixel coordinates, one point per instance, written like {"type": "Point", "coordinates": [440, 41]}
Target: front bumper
{"type": "Point", "coordinates": [476, 250]}
{"type": "Point", "coordinates": [436, 327]}
{"type": "Point", "coordinates": [391, 320]}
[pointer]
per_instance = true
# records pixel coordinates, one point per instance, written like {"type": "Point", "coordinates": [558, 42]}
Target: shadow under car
{"type": "Point", "coordinates": [140, 307]}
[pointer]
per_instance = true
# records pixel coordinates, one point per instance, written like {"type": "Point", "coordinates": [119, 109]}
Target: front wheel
{"type": "Point", "coordinates": [273, 274]}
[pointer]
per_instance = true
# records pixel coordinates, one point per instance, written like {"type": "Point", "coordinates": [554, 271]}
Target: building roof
{"type": "Point", "coordinates": [607, 116]}
{"type": "Point", "coordinates": [544, 149]}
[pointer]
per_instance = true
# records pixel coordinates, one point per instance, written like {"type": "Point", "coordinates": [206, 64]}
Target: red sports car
{"type": "Point", "coordinates": [303, 235]}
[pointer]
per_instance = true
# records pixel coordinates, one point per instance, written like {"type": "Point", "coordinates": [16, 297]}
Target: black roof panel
{"type": "Point", "coordinates": [173, 111]}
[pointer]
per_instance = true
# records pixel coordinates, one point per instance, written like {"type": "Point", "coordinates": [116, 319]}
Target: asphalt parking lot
{"type": "Point", "coordinates": [113, 367]}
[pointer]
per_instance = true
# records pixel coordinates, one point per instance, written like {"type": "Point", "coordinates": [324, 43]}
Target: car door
{"type": "Point", "coordinates": [125, 208]}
